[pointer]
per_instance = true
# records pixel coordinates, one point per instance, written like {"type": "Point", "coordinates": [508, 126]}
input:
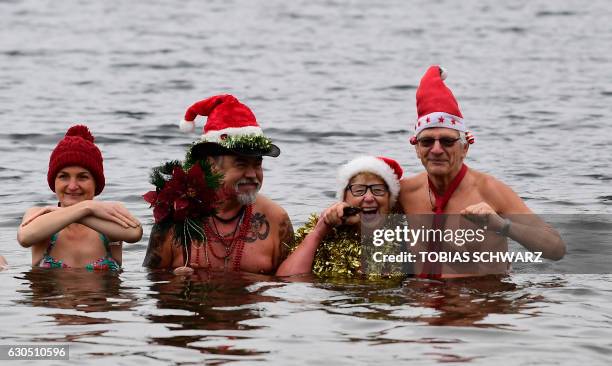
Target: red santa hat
{"type": "Point", "coordinates": [231, 127]}
{"type": "Point", "coordinates": [437, 106]}
{"type": "Point", "coordinates": [388, 169]}
{"type": "Point", "coordinates": [77, 148]}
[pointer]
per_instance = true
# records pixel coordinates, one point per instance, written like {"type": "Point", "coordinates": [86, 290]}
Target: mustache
{"type": "Point", "coordinates": [247, 181]}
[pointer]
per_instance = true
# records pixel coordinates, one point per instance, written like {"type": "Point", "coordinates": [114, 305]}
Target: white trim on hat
{"type": "Point", "coordinates": [368, 164]}
{"type": "Point", "coordinates": [448, 121]}
{"type": "Point", "coordinates": [215, 136]}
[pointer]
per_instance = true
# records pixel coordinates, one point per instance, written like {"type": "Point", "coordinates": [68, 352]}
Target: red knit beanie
{"type": "Point", "coordinates": [77, 149]}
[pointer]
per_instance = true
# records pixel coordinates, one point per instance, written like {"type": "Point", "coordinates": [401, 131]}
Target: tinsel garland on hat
{"type": "Point", "coordinates": [340, 254]}
{"type": "Point", "coordinates": [258, 143]}
{"type": "Point", "coordinates": [247, 142]}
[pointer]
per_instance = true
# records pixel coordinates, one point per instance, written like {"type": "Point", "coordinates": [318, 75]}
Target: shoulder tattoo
{"type": "Point", "coordinates": [260, 228]}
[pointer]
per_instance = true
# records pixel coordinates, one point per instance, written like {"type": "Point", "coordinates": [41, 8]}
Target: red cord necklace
{"type": "Point", "coordinates": [236, 243]}
{"type": "Point", "coordinates": [434, 270]}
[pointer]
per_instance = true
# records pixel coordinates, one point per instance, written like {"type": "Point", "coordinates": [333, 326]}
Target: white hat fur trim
{"type": "Point", "coordinates": [368, 164]}
{"type": "Point", "coordinates": [440, 119]}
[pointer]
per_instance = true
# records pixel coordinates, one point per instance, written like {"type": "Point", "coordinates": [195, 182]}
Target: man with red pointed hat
{"type": "Point", "coordinates": [249, 232]}
{"type": "Point", "coordinates": [448, 186]}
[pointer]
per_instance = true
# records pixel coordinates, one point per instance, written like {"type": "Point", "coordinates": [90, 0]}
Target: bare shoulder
{"type": "Point", "coordinates": [413, 183]}
{"type": "Point", "coordinates": [270, 208]}
{"type": "Point", "coordinates": [277, 216]}
{"type": "Point", "coordinates": [31, 211]}
{"type": "Point", "coordinates": [488, 185]}
{"type": "Point", "coordinates": [280, 220]}
{"type": "Point", "coordinates": [410, 188]}
{"type": "Point", "coordinates": [498, 194]}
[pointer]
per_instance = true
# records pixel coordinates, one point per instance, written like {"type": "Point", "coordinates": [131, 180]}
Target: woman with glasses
{"type": "Point", "coordinates": [330, 245]}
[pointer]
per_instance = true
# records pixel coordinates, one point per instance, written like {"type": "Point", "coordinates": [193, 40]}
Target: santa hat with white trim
{"type": "Point", "coordinates": [231, 127]}
{"type": "Point", "coordinates": [388, 169]}
{"type": "Point", "coordinates": [437, 106]}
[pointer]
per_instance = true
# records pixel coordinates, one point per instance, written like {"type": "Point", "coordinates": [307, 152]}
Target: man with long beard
{"type": "Point", "coordinates": [249, 231]}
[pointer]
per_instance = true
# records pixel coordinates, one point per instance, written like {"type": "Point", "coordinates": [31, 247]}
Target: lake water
{"type": "Point", "coordinates": [327, 80]}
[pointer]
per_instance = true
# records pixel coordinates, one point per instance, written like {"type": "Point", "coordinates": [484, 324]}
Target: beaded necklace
{"type": "Point", "coordinates": [236, 243]}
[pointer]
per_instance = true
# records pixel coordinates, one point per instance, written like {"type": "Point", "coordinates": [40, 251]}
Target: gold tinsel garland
{"type": "Point", "coordinates": [340, 253]}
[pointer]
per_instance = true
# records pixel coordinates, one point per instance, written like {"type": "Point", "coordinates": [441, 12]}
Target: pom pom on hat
{"type": "Point", "coordinates": [388, 169]}
{"type": "Point", "coordinates": [443, 73]}
{"type": "Point", "coordinates": [77, 148]}
{"type": "Point", "coordinates": [187, 126]}
{"type": "Point", "coordinates": [80, 131]}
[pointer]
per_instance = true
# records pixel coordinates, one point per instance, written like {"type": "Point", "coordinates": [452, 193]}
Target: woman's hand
{"type": "Point", "coordinates": [334, 216]}
{"type": "Point", "coordinates": [109, 218]}
{"type": "Point", "coordinates": [42, 211]}
{"type": "Point", "coordinates": [113, 212]}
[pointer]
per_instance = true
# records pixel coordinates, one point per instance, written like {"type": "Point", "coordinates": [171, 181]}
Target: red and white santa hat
{"type": "Point", "coordinates": [226, 116]}
{"type": "Point", "coordinates": [437, 106]}
{"type": "Point", "coordinates": [388, 169]}
{"type": "Point", "coordinates": [230, 124]}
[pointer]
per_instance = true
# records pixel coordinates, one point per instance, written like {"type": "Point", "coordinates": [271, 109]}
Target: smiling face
{"type": "Point", "coordinates": [373, 207]}
{"type": "Point", "coordinates": [74, 184]}
{"type": "Point", "coordinates": [437, 159]}
{"type": "Point", "coordinates": [242, 175]}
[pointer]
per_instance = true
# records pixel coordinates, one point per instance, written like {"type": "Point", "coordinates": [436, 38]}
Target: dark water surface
{"type": "Point", "coordinates": [327, 80]}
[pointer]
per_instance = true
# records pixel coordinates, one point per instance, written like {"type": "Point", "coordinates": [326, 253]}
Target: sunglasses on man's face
{"type": "Point", "coordinates": [359, 190]}
{"type": "Point", "coordinates": [444, 141]}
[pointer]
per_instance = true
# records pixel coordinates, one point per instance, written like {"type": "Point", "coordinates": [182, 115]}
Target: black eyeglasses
{"type": "Point", "coordinates": [444, 141]}
{"type": "Point", "coordinates": [359, 190]}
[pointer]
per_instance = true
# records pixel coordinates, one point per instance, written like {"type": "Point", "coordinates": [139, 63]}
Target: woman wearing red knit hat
{"type": "Point", "coordinates": [79, 232]}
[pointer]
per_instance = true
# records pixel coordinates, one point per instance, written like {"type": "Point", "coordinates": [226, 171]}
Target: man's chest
{"type": "Point", "coordinates": [423, 201]}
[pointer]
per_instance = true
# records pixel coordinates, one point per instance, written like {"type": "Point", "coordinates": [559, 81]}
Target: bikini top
{"type": "Point", "coordinates": [105, 263]}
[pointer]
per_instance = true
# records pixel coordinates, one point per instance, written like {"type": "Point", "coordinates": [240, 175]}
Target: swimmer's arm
{"type": "Point", "coordinates": [112, 230]}
{"type": "Point", "coordinates": [537, 236]}
{"type": "Point", "coordinates": [300, 261]}
{"type": "Point", "coordinates": [159, 249]}
{"type": "Point", "coordinates": [286, 238]}
{"type": "Point", "coordinates": [39, 223]}
{"type": "Point", "coordinates": [526, 227]}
